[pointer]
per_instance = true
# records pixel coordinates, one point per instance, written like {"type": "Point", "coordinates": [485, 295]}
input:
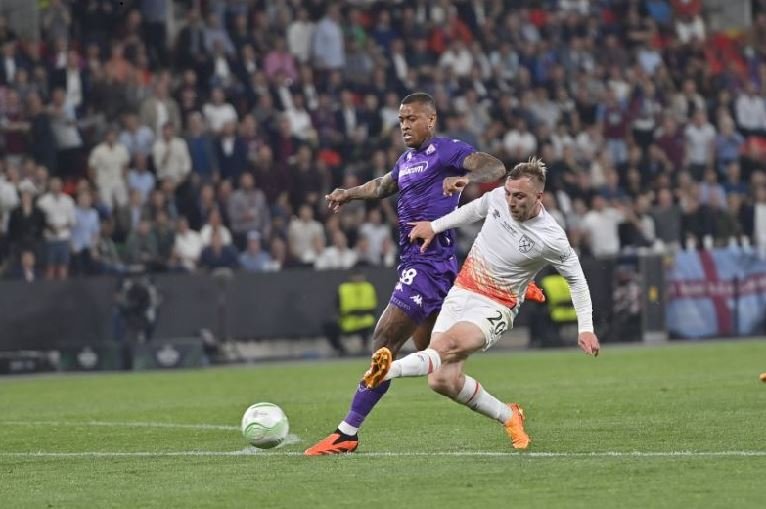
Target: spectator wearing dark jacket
{"type": "Point", "coordinates": [231, 153]}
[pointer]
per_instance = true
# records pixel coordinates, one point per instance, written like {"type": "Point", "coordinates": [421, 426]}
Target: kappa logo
{"type": "Point", "coordinates": [417, 299]}
{"type": "Point", "coordinates": [496, 213]}
{"type": "Point", "coordinates": [526, 244]}
{"type": "Point", "coordinates": [399, 287]}
{"type": "Point", "coordinates": [409, 156]}
{"type": "Point", "coordinates": [430, 150]}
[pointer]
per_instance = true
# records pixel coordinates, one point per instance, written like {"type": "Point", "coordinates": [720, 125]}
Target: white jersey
{"type": "Point", "coordinates": [507, 254]}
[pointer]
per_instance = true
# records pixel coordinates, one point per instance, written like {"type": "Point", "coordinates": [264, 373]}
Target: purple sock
{"type": "Point", "coordinates": [363, 403]}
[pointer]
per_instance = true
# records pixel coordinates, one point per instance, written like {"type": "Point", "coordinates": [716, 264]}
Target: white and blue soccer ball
{"type": "Point", "coordinates": [265, 425]}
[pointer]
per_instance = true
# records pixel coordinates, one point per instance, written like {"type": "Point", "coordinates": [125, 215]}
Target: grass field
{"type": "Point", "coordinates": [673, 426]}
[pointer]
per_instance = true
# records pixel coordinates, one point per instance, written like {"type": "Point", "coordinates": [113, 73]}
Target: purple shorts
{"type": "Point", "coordinates": [422, 287]}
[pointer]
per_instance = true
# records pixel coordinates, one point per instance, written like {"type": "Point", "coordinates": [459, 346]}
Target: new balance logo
{"type": "Point", "coordinates": [417, 299]}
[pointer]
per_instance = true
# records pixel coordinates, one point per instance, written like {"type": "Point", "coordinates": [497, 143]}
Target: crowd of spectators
{"type": "Point", "coordinates": [188, 135]}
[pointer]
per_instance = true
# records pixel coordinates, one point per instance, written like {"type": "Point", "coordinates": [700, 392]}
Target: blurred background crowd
{"type": "Point", "coordinates": [132, 141]}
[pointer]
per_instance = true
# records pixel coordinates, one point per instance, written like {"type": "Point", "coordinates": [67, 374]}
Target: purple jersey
{"type": "Point", "coordinates": [419, 174]}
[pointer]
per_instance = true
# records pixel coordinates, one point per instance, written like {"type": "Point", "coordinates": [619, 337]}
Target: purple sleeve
{"type": "Point", "coordinates": [458, 151]}
{"type": "Point", "coordinates": [395, 171]}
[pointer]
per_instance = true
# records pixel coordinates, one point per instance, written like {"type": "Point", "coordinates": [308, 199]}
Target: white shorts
{"type": "Point", "coordinates": [466, 306]}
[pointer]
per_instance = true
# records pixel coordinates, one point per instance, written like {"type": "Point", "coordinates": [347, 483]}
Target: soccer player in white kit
{"type": "Point", "coordinates": [518, 239]}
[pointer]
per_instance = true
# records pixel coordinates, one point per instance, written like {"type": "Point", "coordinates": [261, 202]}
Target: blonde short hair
{"type": "Point", "coordinates": [534, 169]}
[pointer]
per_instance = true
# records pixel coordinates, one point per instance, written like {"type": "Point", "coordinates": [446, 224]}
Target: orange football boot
{"type": "Point", "coordinates": [514, 428]}
{"type": "Point", "coordinates": [534, 293]}
{"type": "Point", "coordinates": [336, 443]}
{"type": "Point", "coordinates": [379, 366]}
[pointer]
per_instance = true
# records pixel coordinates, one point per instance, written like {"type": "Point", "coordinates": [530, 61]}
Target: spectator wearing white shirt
{"type": "Point", "coordinates": [519, 143]}
{"type": "Point", "coordinates": [187, 245]}
{"type": "Point", "coordinates": [398, 58]}
{"type": "Point", "coordinates": [458, 59]}
{"type": "Point", "coordinates": [299, 34]}
{"type": "Point", "coordinates": [9, 199]}
{"type": "Point", "coordinates": [302, 231]}
{"type": "Point", "coordinates": [171, 156]}
{"type": "Point", "coordinates": [601, 228]}
{"type": "Point", "coordinates": [59, 213]}
{"type": "Point", "coordinates": [751, 111]}
{"type": "Point", "coordinates": [218, 112]}
{"type": "Point", "coordinates": [215, 224]}
{"type": "Point", "coordinates": [690, 28]}
{"type": "Point", "coordinates": [338, 255]}
{"type": "Point", "coordinates": [700, 143]}
{"type": "Point", "coordinates": [376, 234]}
{"type": "Point", "coordinates": [759, 220]}
{"type": "Point", "coordinates": [300, 120]}
{"type": "Point", "coordinates": [108, 164]}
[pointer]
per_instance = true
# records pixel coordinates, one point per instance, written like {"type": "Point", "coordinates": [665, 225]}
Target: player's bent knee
{"type": "Point", "coordinates": [450, 347]}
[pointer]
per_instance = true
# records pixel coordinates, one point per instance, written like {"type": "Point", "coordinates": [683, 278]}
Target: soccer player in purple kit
{"type": "Point", "coordinates": [429, 177]}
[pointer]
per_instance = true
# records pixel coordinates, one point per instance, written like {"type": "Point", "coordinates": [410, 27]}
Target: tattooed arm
{"type": "Point", "coordinates": [481, 167]}
{"type": "Point", "coordinates": [375, 189]}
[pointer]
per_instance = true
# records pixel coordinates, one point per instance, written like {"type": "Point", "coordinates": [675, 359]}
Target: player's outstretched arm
{"type": "Point", "coordinates": [481, 167]}
{"type": "Point", "coordinates": [375, 189]}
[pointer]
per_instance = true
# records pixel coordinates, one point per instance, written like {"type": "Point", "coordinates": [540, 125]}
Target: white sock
{"type": "Point", "coordinates": [347, 429]}
{"type": "Point", "coordinates": [415, 364]}
{"type": "Point", "coordinates": [477, 399]}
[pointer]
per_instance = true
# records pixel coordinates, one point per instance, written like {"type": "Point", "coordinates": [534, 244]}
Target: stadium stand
{"type": "Point", "coordinates": [195, 134]}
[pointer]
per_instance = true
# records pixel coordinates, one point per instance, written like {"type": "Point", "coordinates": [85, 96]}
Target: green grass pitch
{"type": "Point", "coordinates": [671, 426]}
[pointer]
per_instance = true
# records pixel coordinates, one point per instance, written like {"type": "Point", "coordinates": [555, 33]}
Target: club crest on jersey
{"type": "Point", "coordinates": [430, 150]}
{"type": "Point", "coordinates": [409, 156]}
{"type": "Point", "coordinates": [526, 244]}
{"type": "Point", "coordinates": [416, 168]}
{"type": "Point", "coordinates": [496, 213]}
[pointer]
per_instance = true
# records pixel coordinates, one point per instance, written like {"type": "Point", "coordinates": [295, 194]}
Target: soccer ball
{"type": "Point", "coordinates": [265, 425]}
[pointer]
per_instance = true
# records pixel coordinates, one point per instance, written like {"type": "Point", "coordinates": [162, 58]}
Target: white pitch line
{"type": "Point", "coordinates": [171, 425]}
{"type": "Point", "coordinates": [491, 454]}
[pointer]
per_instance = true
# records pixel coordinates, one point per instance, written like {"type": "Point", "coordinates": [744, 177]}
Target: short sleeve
{"type": "Point", "coordinates": [457, 151]}
{"type": "Point", "coordinates": [395, 169]}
